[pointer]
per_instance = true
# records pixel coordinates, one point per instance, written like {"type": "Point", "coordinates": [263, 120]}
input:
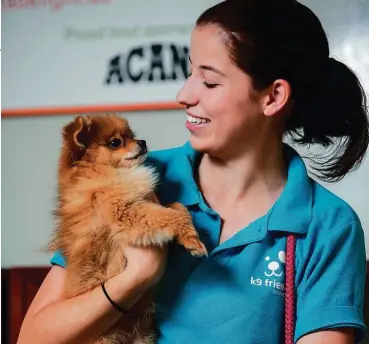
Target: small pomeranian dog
{"type": "Point", "coordinates": [104, 203]}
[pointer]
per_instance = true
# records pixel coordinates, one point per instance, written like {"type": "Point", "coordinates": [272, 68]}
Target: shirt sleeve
{"type": "Point", "coordinates": [58, 259]}
{"type": "Point", "coordinates": [331, 283]}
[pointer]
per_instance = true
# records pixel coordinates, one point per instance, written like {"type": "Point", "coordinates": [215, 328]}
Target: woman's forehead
{"type": "Point", "coordinates": [207, 47]}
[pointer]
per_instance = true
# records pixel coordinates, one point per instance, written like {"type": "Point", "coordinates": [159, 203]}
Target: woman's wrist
{"type": "Point", "coordinates": [142, 282]}
{"type": "Point", "coordinates": [124, 289]}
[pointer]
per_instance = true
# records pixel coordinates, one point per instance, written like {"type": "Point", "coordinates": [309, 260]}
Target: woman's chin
{"type": "Point", "coordinates": [201, 145]}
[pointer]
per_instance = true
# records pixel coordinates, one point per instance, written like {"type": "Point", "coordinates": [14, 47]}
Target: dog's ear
{"type": "Point", "coordinates": [78, 133]}
{"type": "Point", "coordinates": [77, 136]}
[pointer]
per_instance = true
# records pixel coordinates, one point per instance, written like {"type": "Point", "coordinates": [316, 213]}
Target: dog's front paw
{"type": "Point", "coordinates": [193, 244]}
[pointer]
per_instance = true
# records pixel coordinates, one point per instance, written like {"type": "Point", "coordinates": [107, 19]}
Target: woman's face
{"type": "Point", "coordinates": [224, 115]}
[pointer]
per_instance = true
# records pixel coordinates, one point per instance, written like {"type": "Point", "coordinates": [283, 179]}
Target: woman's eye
{"type": "Point", "coordinates": [115, 143]}
{"type": "Point", "coordinates": [208, 85]}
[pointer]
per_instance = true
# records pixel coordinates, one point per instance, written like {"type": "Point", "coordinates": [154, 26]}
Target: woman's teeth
{"type": "Point", "coordinates": [196, 120]}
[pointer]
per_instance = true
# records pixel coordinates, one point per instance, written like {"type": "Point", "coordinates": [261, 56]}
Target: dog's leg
{"type": "Point", "coordinates": [153, 224]}
{"type": "Point", "coordinates": [183, 238]}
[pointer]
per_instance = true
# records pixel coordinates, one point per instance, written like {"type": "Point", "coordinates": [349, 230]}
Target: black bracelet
{"type": "Point", "coordinates": [116, 306]}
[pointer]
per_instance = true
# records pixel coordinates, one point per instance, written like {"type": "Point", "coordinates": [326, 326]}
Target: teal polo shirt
{"type": "Point", "coordinates": [236, 294]}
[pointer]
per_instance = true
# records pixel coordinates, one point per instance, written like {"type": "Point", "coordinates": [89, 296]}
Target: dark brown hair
{"type": "Point", "coordinates": [283, 39]}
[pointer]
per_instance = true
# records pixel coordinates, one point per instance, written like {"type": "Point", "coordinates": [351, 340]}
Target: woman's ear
{"type": "Point", "coordinates": [276, 97]}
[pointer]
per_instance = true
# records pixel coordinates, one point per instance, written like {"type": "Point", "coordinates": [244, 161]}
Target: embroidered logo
{"type": "Point", "coordinates": [275, 268]}
{"type": "Point", "coordinates": [273, 274]}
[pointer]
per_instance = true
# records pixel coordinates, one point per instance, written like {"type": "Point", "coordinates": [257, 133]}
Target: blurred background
{"type": "Point", "coordinates": [61, 58]}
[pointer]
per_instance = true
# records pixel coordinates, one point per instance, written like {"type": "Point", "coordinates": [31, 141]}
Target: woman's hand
{"type": "Point", "coordinates": [146, 264]}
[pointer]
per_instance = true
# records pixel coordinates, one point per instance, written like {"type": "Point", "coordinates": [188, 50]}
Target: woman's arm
{"type": "Point", "coordinates": [337, 336]}
{"type": "Point", "coordinates": [53, 319]}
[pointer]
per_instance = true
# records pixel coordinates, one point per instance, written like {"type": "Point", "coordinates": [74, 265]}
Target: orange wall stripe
{"type": "Point", "coordinates": [68, 110]}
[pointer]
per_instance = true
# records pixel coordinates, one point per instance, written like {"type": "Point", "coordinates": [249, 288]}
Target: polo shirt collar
{"type": "Point", "coordinates": [292, 212]}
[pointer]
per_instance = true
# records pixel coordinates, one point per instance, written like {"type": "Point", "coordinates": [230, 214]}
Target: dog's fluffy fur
{"type": "Point", "coordinates": [104, 204]}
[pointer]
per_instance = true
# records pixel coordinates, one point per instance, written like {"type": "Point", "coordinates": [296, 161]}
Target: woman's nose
{"type": "Point", "coordinates": [187, 96]}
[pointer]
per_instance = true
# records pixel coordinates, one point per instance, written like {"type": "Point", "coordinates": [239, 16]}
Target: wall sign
{"type": "Point", "coordinates": [63, 56]}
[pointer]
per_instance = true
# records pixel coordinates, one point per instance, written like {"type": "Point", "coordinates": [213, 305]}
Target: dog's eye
{"type": "Point", "coordinates": [115, 143]}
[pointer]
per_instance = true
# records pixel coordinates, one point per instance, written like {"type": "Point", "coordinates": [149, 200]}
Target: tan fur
{"type": "Point", "coordinates": [106, 201]}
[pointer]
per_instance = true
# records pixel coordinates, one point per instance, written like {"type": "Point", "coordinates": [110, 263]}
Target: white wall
{"type": "Point", "coordinates": [30, 146]}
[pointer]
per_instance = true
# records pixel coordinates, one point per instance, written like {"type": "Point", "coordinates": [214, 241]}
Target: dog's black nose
{"type": "Point", "coordinates": [142, 144]}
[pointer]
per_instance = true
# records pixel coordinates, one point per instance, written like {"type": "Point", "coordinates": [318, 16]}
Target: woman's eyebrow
{"type": "Point", "coordinates": [210, 68]}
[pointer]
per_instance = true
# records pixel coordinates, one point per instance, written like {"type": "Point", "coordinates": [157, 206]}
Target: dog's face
{"type": "Point", "coordinates": [103, 139]}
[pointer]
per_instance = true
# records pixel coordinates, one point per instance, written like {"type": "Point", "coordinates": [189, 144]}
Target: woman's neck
{"type": "Point", "coordinates": [256, 176]}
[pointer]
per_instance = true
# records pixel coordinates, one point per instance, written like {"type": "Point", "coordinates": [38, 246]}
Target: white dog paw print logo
{"type": "Point", "coordinates": [276, 268]}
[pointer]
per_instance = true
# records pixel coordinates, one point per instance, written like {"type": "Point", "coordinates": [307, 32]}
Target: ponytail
{"type": "Point", "coordinates": [334, 115]}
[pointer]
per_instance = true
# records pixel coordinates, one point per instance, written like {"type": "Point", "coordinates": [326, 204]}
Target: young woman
{"type": "Point", "coordinates": [260, 69]}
